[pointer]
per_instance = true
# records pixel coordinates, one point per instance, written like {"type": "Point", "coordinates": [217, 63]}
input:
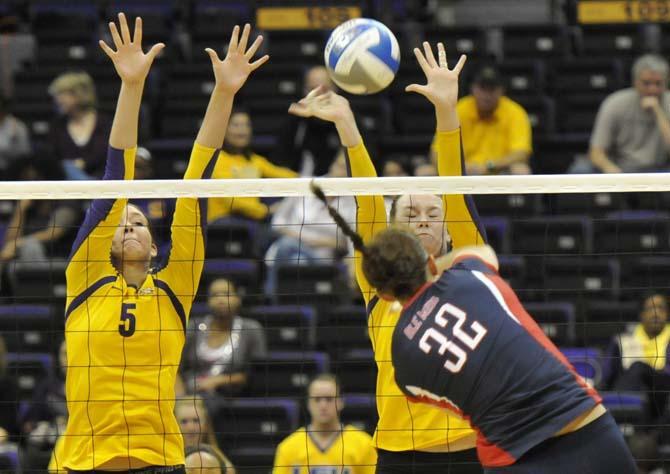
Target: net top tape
{"type": "Point", "coordinates": [148, 189]}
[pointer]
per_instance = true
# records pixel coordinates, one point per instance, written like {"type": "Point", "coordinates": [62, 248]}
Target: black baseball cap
{"type": "Point", "coordinates": [488, 77]}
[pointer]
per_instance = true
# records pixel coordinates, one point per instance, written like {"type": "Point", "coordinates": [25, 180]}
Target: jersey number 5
{"type": "Point", "coordinates": [127, 324]}
{"type": "Point", "coordinates": [470, 341]}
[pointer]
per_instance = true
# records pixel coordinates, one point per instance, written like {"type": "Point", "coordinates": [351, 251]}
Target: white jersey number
{"type": "Point", "coordinates": [471, 341]}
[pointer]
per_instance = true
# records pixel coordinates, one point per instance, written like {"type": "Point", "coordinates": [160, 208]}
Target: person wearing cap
{"type": "Point", "coordinates": [496, 130]}
{"type": "Point", "coordinates": [78, 137]}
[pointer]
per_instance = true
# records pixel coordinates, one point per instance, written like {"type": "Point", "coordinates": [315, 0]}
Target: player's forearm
{"type": "Point", "coordinates": [214, 124]}
{"type": "Point", "coordinates": [126, 118]}
{"type": "Point", "coordinates": [348, 131]}
{"type": "Point", "coordinates": [237, 378]}
{"type": "Point", "coordinates": [447, 118]}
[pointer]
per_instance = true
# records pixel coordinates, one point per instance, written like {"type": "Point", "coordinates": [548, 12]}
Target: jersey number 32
{"type": "Point", "coordinates": [469, 338]}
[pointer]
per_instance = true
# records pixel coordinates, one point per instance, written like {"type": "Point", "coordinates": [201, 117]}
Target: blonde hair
{"type": "Point", "coordinates": [198, 403]}
{"type": "Point", "coordinates": [79, 84]}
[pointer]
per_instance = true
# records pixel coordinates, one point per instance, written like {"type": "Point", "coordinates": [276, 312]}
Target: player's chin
{"type": "Point", "coordinates": [429, 243]}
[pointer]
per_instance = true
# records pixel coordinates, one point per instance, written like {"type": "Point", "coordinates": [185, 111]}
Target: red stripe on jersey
{"type": "Point", "coordinates": [489, 454]}
{"type": "Point", "coordinates": [536, 332]}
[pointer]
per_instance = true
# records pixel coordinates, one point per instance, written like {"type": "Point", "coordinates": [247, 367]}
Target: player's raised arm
{"type": "Point", "coordinates": [441, 89]}
{"type": "Point", "coordinates": [89, 259]}
{"type": "Point", "coordinates": [187, 234]}
{"type": "Point", "coordinates": [371, 212]}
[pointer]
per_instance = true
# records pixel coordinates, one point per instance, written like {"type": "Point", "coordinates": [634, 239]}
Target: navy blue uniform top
{"type": "Point", "coordinates": [465, 343]}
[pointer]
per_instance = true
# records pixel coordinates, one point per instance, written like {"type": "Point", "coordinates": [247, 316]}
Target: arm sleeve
{"type": "Point", "coordinates": [188, 231]}
{"type": "Point", "coordinates": [460, 213]}
{"type": "Point", "coordinates": [90, 257]}
{"type": "Point", "coordinates": [520, 132]}
{"type": "Point", "coordinates": [370, 211]}
{"type": "Point", "coordinates": [604, 129]}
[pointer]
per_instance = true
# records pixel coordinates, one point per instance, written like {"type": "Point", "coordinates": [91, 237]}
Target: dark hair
{"type": "Point", "coordinates": [233, 150]}
{"type": "Point", "coordinates": [394, 262]}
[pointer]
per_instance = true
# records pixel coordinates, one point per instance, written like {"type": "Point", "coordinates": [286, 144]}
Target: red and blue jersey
{"type": "Point", "coordinates": [466, 343]}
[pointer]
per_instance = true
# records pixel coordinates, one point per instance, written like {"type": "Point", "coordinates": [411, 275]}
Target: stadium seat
{"type": "Point", "coordinates": [275, 81]}
{"type": "Point", "coordinates": [322, 285]}
{"type": "Point", "coordinates": [286, 327]}
{"type": "Point", "coordinates": [586, 76]}
{"type": "Point", "coordinates": [252, 459]}
{"type": "Point", "coordinates": [286, 373]}
{"type": "Point", "coordinates": [552, 235]}
{"type": "Point", "coordinates": [231, 238]}
{"type": "Point", "coordinates": [600, 320]}
{"type": "Point", "coordinates": [628, 409]}
{"type": "Point", "coordinates": [457, 40]}
{"type": "Point", "coordinates": [577, 113]}
{"type": "Point", "coordinates": [267, 114]}
{"type": "Point", "coordinates": [356, 370]}
{"type": "Point", "coordinates": [212, 17]}
{"type": "Point", "coordinates": [643, 274]}
{"type": "Point", "coordinates": [580, 279]}
{"type": "Point", "coordinates": [373, 115]}
{"type": "Point", "coordinates": [632, 232]}
{"type": "Point", "coordinates": [297, 46]}
{"type": "Point", "coordinates": [541, 113]}
{"type": "Point", "coordinates": [243, 272]}
{"type": "Point", "coordinates": [30, 328]}
{"type": "Point", "coordinates": [414, 114]}
{"type": "Point", "coordinates": [64, 22]}
{"type": "Point", "coordinates": [553, 154]}
{"type": "Point", "coordinates": [29, 369]}
{"type": "Point", "coordinates": [526, 78]}
{"type": "Point", "coordinates": [343, 328]}
{"type": "Point", "coordinates": [535, 41]}
{"type": "Point", "coordinates": [557, 320]}
{"type": "Point", "coordinates": [171, 156]}
{"type": "Point", "coordinates": [508, 205]}
{"type": "Point", "coordinates": [39, 282]}
{"type": "Point", "coordinates": [247, 423]}
{"type": "Point", "coordinates": [589, 203]}
{"type": "Point", "coordinates": [606, 41]}
{"type": "Point", "coordinates": [513, 271]}
{"type": "Point", "coordinates": [361, 411]}
{"type": "Point", "coordinates": [586, 361]}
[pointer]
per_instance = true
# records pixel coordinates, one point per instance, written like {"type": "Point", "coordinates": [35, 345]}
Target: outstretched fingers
{"type": "Point", "coordinates": [108, 51]}
{"type": "Point", "coordinates": [259, 62]}
{"type": "Point", "coordinates": [459, 65]}
{"type": "Point", "coordinates": [234, 39]}
{"type": "Point", "coordinates": [430, 57]}
{"type": "Point", "coordinates": [244, 39]}
{"type": "Point", "coordinates": [125, 32]}
{"type": "Point", "coordinates": [212, 55]}
{"type": "Point", "coordinates": [116, 38]}
{"type": "Point", "coordinates": [137, 34]}
{"type": "Point", "coordinates": [254, 47]}
{"type": "Point", "coordinates": [425, 67]}
{"type": "Point", "coordinates": [155, 50]}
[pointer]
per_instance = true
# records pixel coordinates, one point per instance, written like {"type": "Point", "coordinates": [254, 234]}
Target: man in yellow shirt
{"type": "Point", "coordinates": [324, 446]}
{"type": "Point", "coordinates": [496, 130]}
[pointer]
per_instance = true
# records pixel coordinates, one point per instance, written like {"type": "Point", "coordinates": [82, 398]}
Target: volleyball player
{"type": "Point", "coordinates": [125, 321]}
{"type": "Point", "coordinates": [465, 343]}
{"type": "Point", "coordinates": [410, 437]}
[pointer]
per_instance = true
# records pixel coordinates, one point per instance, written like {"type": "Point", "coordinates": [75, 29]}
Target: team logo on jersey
{"type": "Point", "coordinates": [146, 291]}
{"type": "Point", "coordinates": [324, 470]}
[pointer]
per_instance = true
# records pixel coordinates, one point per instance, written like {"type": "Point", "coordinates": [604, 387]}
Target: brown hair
{"type": "Point", "coordinates": [394, 262]}
{"type": "Point", "coordinates": [325, 377]}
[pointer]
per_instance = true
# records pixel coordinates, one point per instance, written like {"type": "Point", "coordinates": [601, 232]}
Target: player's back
{"type": "Point", "coordinates": [483, 356]}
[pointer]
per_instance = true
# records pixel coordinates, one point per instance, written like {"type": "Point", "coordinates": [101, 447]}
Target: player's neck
{"type": "Point", "coordinates": [81, 115]}
{"type": "Point", "coordinates": [134, 273]}
{"type": "Point", "coordinates": [222, 324]}
{"type": "Point", "coordinates": [324, 431]}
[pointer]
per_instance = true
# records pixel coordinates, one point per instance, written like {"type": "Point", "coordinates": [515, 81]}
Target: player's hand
{"type": "Point", "coordinates": [131, 63]}
{"type": "Point", "coordinates": [323, 104]}
{"type": "Point", "coordinates": [8, 252]}
{"type": "Point", "coordinates": [207, 384]}
{"type": "Point", "coordinates": [442, 83]}
{"type": "Point", "coordinates": [233, 71]}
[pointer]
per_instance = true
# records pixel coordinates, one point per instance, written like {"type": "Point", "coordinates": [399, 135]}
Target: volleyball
{"type": "Point", "coordinates": [362, 56]}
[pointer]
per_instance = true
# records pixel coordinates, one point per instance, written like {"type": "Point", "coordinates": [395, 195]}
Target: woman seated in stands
{"type": "Point", "coordinates": [220, 346]}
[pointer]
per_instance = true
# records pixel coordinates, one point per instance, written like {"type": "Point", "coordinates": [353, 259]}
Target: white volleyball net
{"type": "Point", "coordinates": [277, 304]}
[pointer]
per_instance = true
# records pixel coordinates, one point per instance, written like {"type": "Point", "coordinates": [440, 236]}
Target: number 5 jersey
{"type": "Point", "coordinates": [465, 343]}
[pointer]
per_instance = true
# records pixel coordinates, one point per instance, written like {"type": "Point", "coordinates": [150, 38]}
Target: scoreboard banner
{"type": "Point", "coordinates": [623, 11]}
{"type": "Point", "coordinates": [304, 18]}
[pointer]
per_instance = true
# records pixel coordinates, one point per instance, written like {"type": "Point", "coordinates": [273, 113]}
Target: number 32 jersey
{"type": "Point", "coordinates": [465, 343]}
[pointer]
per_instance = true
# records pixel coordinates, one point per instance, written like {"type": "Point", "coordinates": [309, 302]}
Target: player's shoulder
{"type": "Point", "coordinates": [509, 107]}
{"type": "Point", "coordinates": [469, 262]}
{"type": "Point", "coordinates": [622, 99]}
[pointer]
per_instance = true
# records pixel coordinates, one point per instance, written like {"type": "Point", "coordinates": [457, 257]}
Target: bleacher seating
{"type": "Point", "coordinates": [286, 373]}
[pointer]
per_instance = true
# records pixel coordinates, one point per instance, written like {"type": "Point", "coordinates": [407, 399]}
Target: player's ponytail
{"type": "Point", "coordinates": [356, 239]}
{"type": "Point", "coordinates": [394, 262]}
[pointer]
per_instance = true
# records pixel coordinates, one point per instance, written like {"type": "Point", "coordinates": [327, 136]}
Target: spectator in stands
{"type": "Point", "coordinates": [424, 168]}
{"type": "Point", "coordinates": [396, 166]}
{"type": "Point", "coordinates": [307, 232]}
{"type": "Point", "coordinates": [203, 459]}
{"type": "Point", "coordinates": [220, 347]}
{"type": "Point", "coordinates": [497, 136]}
{"type": "Point", "coordinates": [78, 137]}
{"type": "Point", "coordinates": [41, 229]}
{"type": "Point", "coordinates": [198, 432]}
{"type": "Point", "coordinates": [632, 130]}
{"type": "Point", "coordinates": [237, 160]}
{"type": "Point", "coordinates": [46, 416]}
{"type": "Point", "coordinates": [14, 136]}
{"type": "Point", "coordinates": [325, 445]}
{"type": "Point", "coordinates": [308, 145]}
{"type": "Point", "coordinates": [639, 360]}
